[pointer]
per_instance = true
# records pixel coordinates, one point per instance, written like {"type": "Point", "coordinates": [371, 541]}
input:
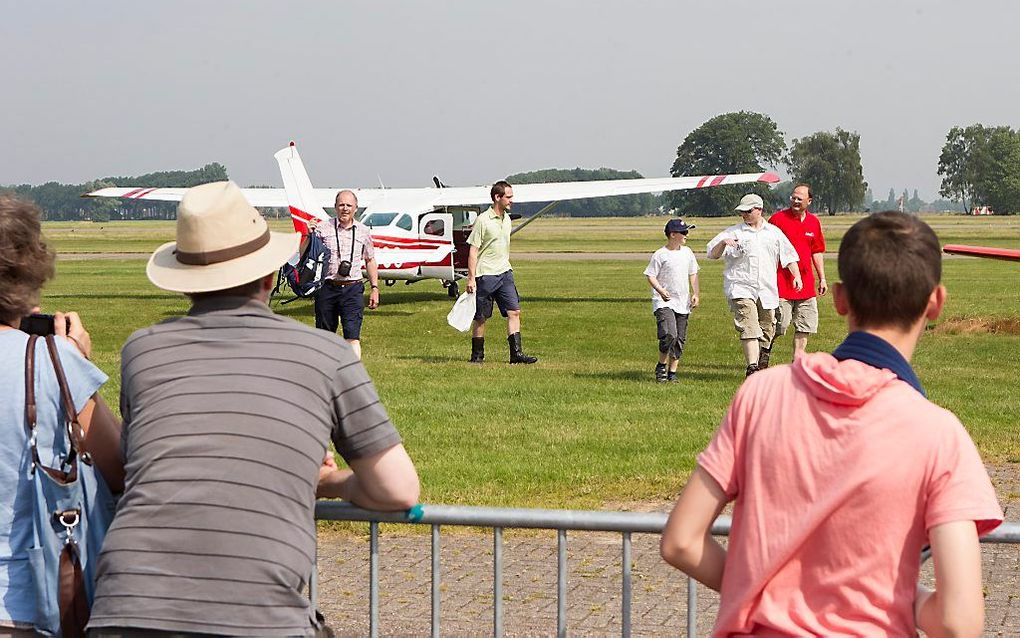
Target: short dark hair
{"type": "Point", "coordinates": [251, 289]}
{"type": "Point", "coordinates": [889, 264]}
{"type": "Point", "coordinates": [26, 261]}
{"type": "Point", "coordinates": [499, 189]}
{"type": "Point", "coordinates": [803, 185]}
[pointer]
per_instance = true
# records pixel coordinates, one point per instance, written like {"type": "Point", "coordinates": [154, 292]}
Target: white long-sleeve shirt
{"type": "Point", "coordinates": [749, 270]}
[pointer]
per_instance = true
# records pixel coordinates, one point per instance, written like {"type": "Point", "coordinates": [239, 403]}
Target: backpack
{"type": "Point", "coordinates": [307, 276]}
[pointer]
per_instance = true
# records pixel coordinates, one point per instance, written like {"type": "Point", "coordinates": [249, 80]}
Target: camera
{"type": "Point", "coordinates": [38, 324]}
{"type": "Point", "coordinates": [344, 269]}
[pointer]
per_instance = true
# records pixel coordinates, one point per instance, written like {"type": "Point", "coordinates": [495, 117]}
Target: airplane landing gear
{"type": "Point", "coordinates": [452, 289]}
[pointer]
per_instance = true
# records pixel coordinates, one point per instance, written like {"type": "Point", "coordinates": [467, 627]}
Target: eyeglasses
{"type": "Point", "coordinates": [796, 199]}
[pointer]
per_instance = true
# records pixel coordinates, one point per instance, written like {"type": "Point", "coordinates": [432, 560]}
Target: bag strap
{"type": "Point", "coordinates": [72, 602]}
{"type": "Point", "coordinates": [75, 431]}
{"type": "Point", "coordinates": [30, 409]}
{"type": "Point", "coordinates": [31, 414]}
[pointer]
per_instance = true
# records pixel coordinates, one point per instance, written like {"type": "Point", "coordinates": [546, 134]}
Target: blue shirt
{"type": "Point", "coordinates": [16, 493]}
{"type": "Point", "coordinates": [877, 353]}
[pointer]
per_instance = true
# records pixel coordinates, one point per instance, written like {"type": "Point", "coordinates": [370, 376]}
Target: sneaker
{"type": "Point", "coordinates": [660, 373]}
{"type": "Point", "coordinates": [751, 369]}
{"type": "Point", "coordinates": [671, 376]}
{"type": "Point", "coordinates": [763, 358]}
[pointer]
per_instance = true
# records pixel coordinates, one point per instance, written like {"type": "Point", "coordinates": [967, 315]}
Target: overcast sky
{"type": "Point", "coordinates": [474, 90]}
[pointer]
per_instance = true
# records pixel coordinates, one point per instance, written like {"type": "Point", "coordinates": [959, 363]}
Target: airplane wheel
{"type": "Point", "coordinates": [453, 290]}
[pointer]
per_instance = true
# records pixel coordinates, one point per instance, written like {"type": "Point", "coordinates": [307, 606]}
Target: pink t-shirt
{"type": "Point", "coordinates": [838, 470]}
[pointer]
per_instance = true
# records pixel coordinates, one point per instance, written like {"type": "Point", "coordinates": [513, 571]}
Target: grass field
{"type": "Point", "coordinates": [547, 234]}
{"type": "Point", "coordinates": [586, 426]}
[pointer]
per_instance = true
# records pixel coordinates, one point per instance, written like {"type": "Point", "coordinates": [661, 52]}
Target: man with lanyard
{"type": "Point", "coordinates": [799, 307]}
{"type": "Point", "coordinates": [491, 277]}
{"type": "Point", "coordinates": [752, 251]}
{"type": "Point", "coordinates": [341, 298]}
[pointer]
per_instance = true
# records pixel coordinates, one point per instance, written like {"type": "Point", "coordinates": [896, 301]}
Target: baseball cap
{"type": "Point", "coordinates": [678, 226]}
{"type": "Point", "coordinates": [749, 201]}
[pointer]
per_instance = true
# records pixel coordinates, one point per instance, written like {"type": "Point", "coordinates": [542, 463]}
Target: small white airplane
{"type": "Point", "coordinates": [421, 233]}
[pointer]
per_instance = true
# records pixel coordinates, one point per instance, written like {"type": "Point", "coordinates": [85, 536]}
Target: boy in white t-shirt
{"type": "Point", "coordinates": [673, 275]}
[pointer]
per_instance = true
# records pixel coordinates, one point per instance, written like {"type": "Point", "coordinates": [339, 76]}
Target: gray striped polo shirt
{"type": "Point", "coordinates": [227, 415]}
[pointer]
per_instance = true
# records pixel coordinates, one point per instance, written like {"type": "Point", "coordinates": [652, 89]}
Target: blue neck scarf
{"type": "Point", "coordinates": [878, 353]}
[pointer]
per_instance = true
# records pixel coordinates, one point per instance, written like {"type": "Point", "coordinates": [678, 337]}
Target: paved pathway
{"type": "Point", "coordinates": [659, 593]}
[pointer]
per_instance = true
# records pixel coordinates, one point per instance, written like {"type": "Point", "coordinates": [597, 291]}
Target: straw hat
{"type": "Point", "coordinates": [222, 242]}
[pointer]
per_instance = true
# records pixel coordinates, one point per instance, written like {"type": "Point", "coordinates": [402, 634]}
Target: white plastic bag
{"type": "Point", "coordinates": [463, 312]}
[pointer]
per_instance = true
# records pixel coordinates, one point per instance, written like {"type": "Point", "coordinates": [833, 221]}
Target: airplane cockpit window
{"type": "Point", "coordinates": [379, 219]}
{"type": "Point", "coordinates": [405, 222]}
{"type": "Point", "coordinates": [435, 227]}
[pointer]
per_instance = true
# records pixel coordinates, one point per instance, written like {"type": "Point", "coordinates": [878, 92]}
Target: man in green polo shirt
{"type": "Point", "coordinates": [491, 277]}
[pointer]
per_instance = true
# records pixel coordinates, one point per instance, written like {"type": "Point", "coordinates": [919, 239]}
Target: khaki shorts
{"type": "Point", "coordinates": [752, 321]}
{"type": "Point", "coordinates": [802, 314]}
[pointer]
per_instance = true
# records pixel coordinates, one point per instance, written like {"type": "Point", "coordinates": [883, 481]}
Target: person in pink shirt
{"type": "Point", "coordinates": [841, 472]}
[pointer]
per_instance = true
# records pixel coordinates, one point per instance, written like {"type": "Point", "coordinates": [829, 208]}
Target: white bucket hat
{"type": "Point", "coordinates": [222, 242]}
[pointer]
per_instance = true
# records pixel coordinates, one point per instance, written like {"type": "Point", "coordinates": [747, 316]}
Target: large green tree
{"type": "Point", "coordinates": [997, 169]}
{"type": "Point", "coordinates": [831, 164]}
{"type": "Point", "coordinates": [957, 163]}
{"type": "Point", "coordinates": [742, 142]}
{"type": "Point", "coordinates": [982, 164]}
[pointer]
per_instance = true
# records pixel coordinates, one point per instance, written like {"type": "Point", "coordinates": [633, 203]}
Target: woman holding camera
{"type": "Point", "coordinates": [26, 263]}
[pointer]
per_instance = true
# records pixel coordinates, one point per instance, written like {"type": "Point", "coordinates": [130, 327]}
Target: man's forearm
{"type": "Point", "coordinates": [345, 484]}
{"type": "Point", "coordinates": [818, 259]}
{"type": "Point", "coordinates": [372, 269]}
{"type": "Point", "coordinates": [472, 261]}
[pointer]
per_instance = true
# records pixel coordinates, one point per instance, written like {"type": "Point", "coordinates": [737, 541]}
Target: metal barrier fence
{"type": "Point", "coordinates": [626, 523]}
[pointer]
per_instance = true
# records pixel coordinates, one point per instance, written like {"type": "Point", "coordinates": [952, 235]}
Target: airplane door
{"type": "Point", "coordinates": [436, 231]}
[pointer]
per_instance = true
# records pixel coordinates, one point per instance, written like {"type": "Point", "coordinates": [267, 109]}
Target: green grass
{"type": "Point", "coordinates": [631, 234]}
{"type": "Point", "coordinates": [586, 425]}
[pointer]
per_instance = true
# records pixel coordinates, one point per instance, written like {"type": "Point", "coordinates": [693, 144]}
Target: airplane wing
{"type": "Point", "coordinates": [258, 197]}
{"type": "Point", "coordinates": [1006, 254]}
{"type": "Point", "coordinates": [417, 200]}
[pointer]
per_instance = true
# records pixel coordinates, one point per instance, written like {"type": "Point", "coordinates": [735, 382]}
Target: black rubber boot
{"type": "Point", "coordinates": [660, 372]}
{"type": "Point", "coordinates": [763, 358]}
{"type": "Point", "coordinates": [477, 349]}
{"type": "Point", "coordinates": [516, 354]}
{"type": "Point", "coordinates": [751, 369]}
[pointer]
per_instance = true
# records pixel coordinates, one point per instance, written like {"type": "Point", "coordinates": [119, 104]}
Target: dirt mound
{"type": "Point", "coordinates": [979, 325]}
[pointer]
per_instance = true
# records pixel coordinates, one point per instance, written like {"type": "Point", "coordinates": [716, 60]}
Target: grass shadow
{"type": "Point", "coordinates": [433, 358]}
{"type": "Point", "coordinates": [646, 376]}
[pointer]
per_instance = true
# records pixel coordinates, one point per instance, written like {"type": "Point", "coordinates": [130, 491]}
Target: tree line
{"type": "Point", "coordinates": [979, 166]}
{"type": "Point", "coordinates": [64, 202]}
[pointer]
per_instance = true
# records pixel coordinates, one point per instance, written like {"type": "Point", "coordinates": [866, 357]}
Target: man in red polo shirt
{"type": "Point", "coordinates": [799, 307]}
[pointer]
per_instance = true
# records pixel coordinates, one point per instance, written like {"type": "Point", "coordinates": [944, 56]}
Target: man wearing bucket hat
{"type": "Point", "coordinates": [672, 273]}
{"type": "Point", "coordinates": [228, 412]}
{"type": "Point", "coordinates": [752, 251]}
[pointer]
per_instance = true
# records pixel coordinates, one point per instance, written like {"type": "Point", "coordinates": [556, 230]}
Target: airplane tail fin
{"type": "Point", "coordinates": [304, 211]}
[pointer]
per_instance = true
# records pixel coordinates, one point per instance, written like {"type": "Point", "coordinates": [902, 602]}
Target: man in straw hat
{"type": "Point", "coordinates": [228, 412]}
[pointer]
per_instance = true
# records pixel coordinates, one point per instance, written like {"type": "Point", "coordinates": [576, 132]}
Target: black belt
{"type": "Point", "coordinates": [341, 284]}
